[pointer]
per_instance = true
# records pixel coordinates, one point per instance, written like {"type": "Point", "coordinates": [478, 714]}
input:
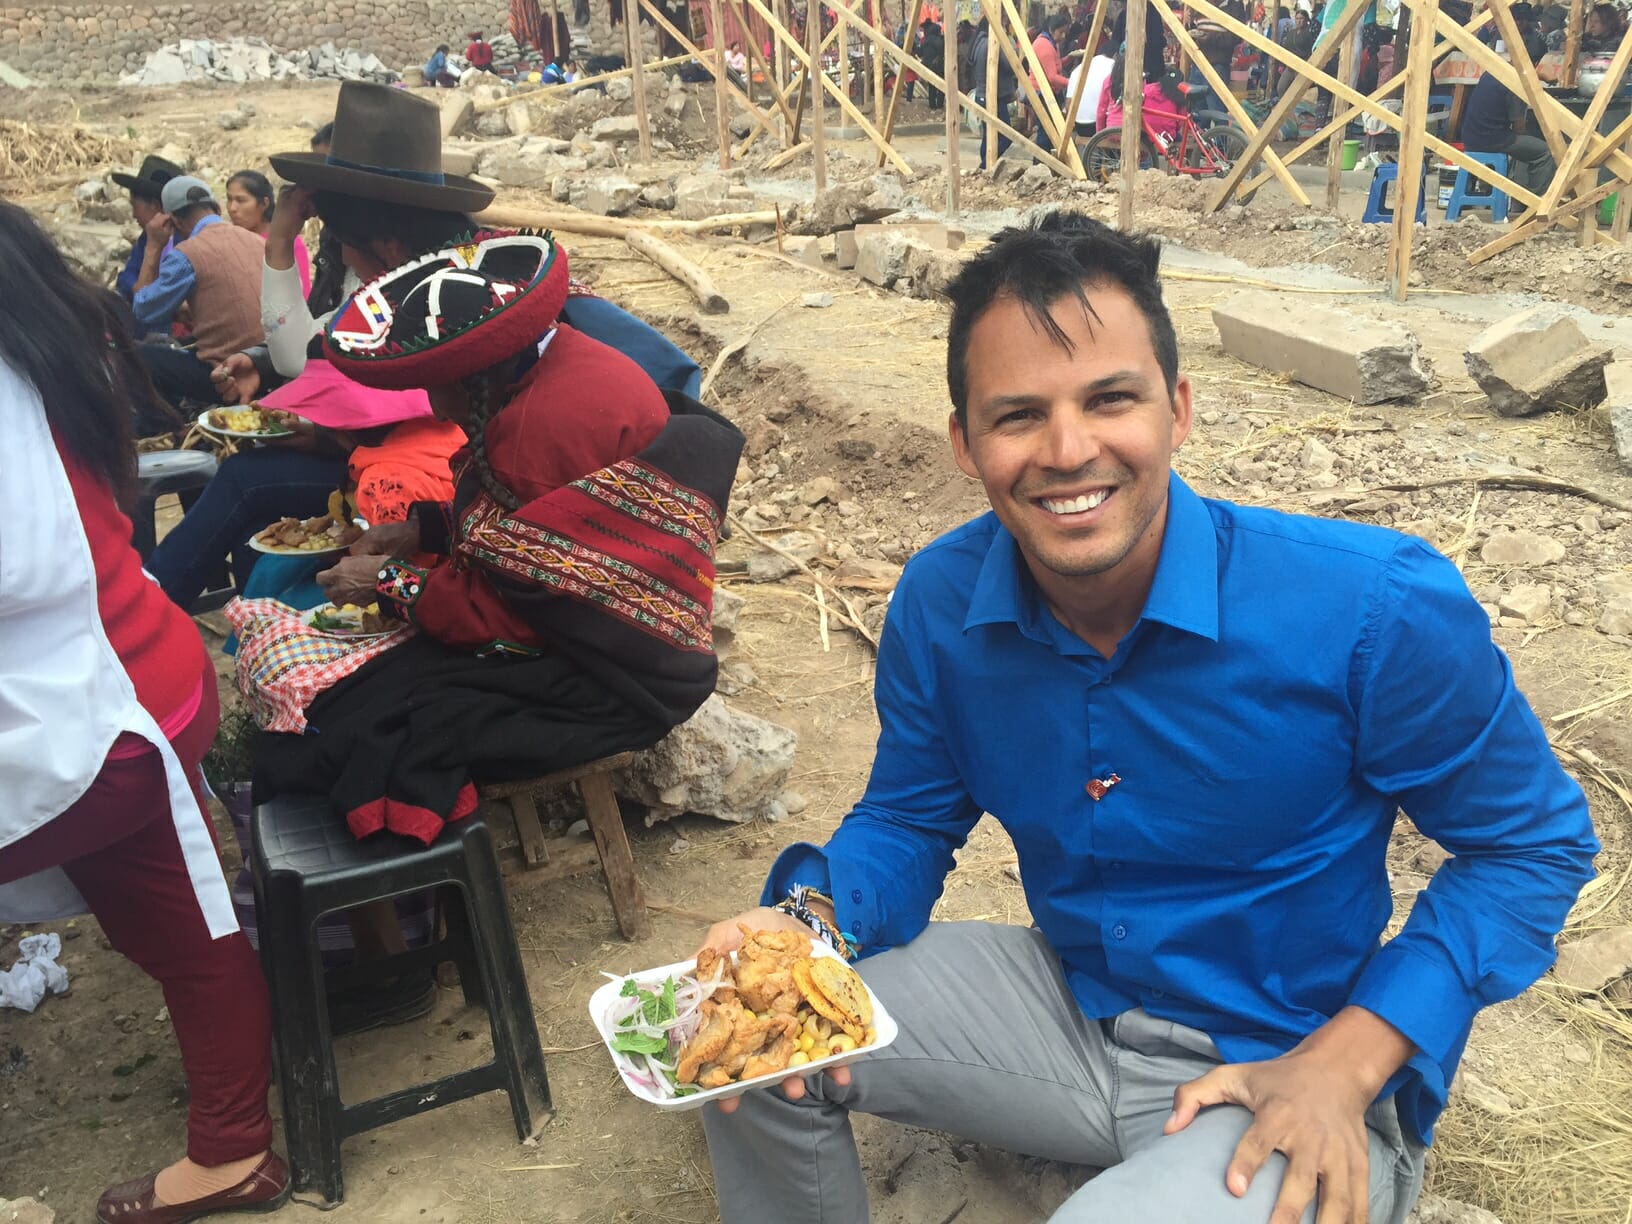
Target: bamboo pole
{"type": "Point", "coordinates": [900, 74]}
{"type": "Point", "coordinates": [702, 287]}
{"type": "Point", "coordinates": [813, 73]}
{"type": "Point", "coordinates": [1289, 100]}
{"type": "Point", "coordinates": [722, 118]}
{"type": "Point", "coordinates": [637, 56]}
{"type": "Point", "coordinates": [990, 133]}
{"type": "Point", "coordinates": [1231, 104]}
{"type": "Point", "coordinates": [1571, 75]}
{"type": "Point", "coordinates": [1334, 149]}
{"type": "Point", "coordinates": [1133, 109]}
{"type": "Point", "coordinates": [1408, 189]}
{"type": "Point", "coordinates": [954, 109]}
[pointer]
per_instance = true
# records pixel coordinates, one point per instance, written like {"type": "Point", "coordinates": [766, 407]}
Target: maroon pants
{"type": "Point", "coordinates": [118, 845]}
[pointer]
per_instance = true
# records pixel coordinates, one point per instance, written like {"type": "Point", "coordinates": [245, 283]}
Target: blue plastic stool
{"type": "Point", "coordinates": [1377, 206]}
{"type": "Point", "coordinates": [1464, 197]}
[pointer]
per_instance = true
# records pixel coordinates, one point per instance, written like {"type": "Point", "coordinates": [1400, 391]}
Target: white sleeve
{"type": "Point", "coordinates": [287, 321]}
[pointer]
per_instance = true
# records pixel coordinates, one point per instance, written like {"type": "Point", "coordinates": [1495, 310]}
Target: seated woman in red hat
{"type": "Point", "coordinates": [579, 545]}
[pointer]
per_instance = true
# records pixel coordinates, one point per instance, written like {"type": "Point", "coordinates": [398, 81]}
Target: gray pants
{"type": "Point", "coordinates": [994, 1048]}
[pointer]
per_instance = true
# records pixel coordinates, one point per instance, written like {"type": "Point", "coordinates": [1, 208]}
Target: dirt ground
{"type": "Point", "coordinates": [1539, 1130]}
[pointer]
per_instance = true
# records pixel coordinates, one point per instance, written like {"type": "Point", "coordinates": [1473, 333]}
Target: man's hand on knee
{"type": "Point", "coordinates": [793, 1088]}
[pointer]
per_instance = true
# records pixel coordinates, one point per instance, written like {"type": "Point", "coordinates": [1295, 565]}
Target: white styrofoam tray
{"type": "Point", "coordinates": [604, 1000]}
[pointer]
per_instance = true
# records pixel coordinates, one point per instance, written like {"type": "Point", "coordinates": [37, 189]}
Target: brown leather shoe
{"type": "Point", "coordinates": [265, 1189]}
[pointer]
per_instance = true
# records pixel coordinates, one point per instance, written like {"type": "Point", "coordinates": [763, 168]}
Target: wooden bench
{"type": "Point", "coordinates": [562, 856]}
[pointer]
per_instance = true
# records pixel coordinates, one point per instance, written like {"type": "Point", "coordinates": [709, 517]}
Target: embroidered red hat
{"type": "Point", "coordinates": [445, 316]}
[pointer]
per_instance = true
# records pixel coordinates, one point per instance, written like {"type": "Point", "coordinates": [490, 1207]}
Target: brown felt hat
{"type": "Point", "coordinates": [387, 146]}
{"type": "Point", "coordinates": [150, 178]}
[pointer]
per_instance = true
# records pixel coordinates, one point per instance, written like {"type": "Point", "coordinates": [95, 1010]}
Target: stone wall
{"type": "Point", "coordinates": [68, 44]}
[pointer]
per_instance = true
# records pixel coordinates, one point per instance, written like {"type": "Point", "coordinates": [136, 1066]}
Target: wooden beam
{"type": "Point", "coordinates": [761, 118]}
{"type": "Point", "coordinates": [1527, 230]}
{"type": "Point", "coordinates": [779, 77]}
{"type": "Point", "coordinates": [539, 92]}
{"type": "Point", "coordinates": [813, 74]}
{"type": "Point", "coordinates": [1305, 72]}
{"type": "Point", "coordinates": [954, 109]}
{"type": "Point", "coordinates": [989, 131]}
{"type": "Point", "coordinates": [757, 56]}
{"type": "Point", "coordinates": [1133, 109]}
{"type": "Point", "coordinates": [572, 221]}
{"type": "Point", "coordinates": [689, 274]}
{"type": "Point", "coordinates": [878, 78]}
{"type": "Point", "coordinates": [1228, 99]}
{"type": "Point", "coordinates": [722, 99]}
{"type": "Point", "coordinates": [798, 82]}
{"type": "Point", "coordinates": [1408, 188]}
{"type": "Point", "coordinates": [1041, 98]}
{"type": "Point", "coordinates": [1586, 137]}
{"type": "Point", "coordinates": [1623, 204]}
{"type": "Point", "coordinates": [1334, 150]}
{"type": "Point", "coordinates": [995, 29]}
{"type": "Point", "coordinates": [1528, 77]}
{"type": "Point", "coordinates": [1570, 76]}
{"type": "Point", "coordinates": [1096, 30]}
{"type": "Point", "coordinates": [636, 47]}
{"type": "Point", "coordinates": [900, 75]}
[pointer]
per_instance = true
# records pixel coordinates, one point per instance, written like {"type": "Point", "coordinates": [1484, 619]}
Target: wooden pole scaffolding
{"type": "Point", "coordinates": [1231, 103]}
{"type": "Point", "coordinates": [1133, 109]}
{"type": "Point", "coordinates": [1585, 138]}
{"type": "Point", "coordinates": [997, 31]}
{"type": "Point", "coordinates": [900, 75]}
{"type": "Point", "coordinates": [1095, 31]}
{"type": "Point", "coordinates": [878, 75]}
{"type": "Point", "coordinates": [779, 74]}
{"type": "Point", "coordinates": [1408, 189]}
{"type": "Point", "coordinates": [1623, 207]}
{"type": "Point", "coordinates": [990, 134]}
{"type": "Point", "coordinates": [954, 109]}
{"type": "Point", "coordinates": [636, 46]}
{"type": "Point", "coordinates": [1571, 74]}
{"type": "Point", "coordinates": [757, 56]}
{"type": "Point", "coordinates": [722, 99]}
{"type": "Point", "coordinates": [1041, 97]}
{"type": "Point", "coordinates": [1334, 150]}
{"type": "Point", "coordinates": [800, 78]}
{"type": "Point", "coordinates": [763, 120]}
{"type": "Point", "coordinates": [844, 59]}
{"type": "Point", "coordinates": [813, 72]}
{"type": "Point", "coordinates": [540, 92]}
{"type": "Point", "coordinates": [1528, 77]}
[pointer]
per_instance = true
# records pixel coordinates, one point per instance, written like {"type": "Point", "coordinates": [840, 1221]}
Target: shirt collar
{"type": "Point", "coordinates": [207, 220]}
{"type": "Point", "coordinates": [1184, 594]}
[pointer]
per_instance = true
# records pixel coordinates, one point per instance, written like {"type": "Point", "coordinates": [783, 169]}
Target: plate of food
{"type": "Point", "coordinates": [351, 621]}
{"type": "Point", "coordinates": [294, 537]}
{"type": "Point", "coordinates": [784, 1004]}
{"type": "Point", "coordinates": [251, 422]}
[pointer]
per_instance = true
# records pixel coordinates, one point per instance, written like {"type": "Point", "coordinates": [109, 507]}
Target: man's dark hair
{"type": "Point", "coordinates": [359, 222]}
{"type": "Point", "coordinates": [1057, 21]}
{"type": "Point", "coordinates": [324, 135]}
{"type": "Point", "coordinates": [1061, 254]}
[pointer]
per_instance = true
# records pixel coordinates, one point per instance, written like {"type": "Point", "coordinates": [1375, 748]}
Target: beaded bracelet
{"type": "Point", "coordinates": [796, 905]}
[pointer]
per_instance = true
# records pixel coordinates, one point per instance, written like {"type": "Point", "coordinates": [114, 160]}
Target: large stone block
{"type": "Point", "coordinates": [1536, 360]}
{"type": "Point", "coordinates": [721, 762]}
{"type": "Point", "coordinates": [610, 196]}
{"type": "Point", "coordinates": [1357, 359]}
{"type": "Point", "coordinates": [881, 259]}
{"type": "Point", "coordinates": [1618, 386]}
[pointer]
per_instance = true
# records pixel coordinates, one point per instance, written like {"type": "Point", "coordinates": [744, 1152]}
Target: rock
{"type": "Point", "coordinates": [620, 89]}
{"type": "Point", "coordinates": [1616, 617]}
{"type": "Point", "coordinates": [530, 162]}
{"type": "Point", "coordinates": [844, 248]}
{"type": "Point", "coordinates": [1032, 180]}
{"type": "Point", "coordinates": [819, 489]}
{"type": "Point", "coordinates": [615, 128]}
{"type": "Point", "coordinates": [1529, 602]}
{"type": "Point", "coordinates": [1010, 169]}
{"type": "Point", "coordinates": [856, 450]}
{"type": "Point", "coordinates": [1536, 360]}
{"type": "Point", "coordinates": [25, 1211]}
{"type": "Point", "coordinates": [1431, 1209]}
{"type": "Point", "coordinates": [675, 103]}
{"type": "Point", "coordinates": [734, 676]}
{"type": "Point", "coordinates": [1618, 390]}
{"type": "Point", "coordinates": [793, 802]}
{"type": "Point", "coordinates": [740, 125]}
{"type": "Point", "coordinates": [91, 190]}
{"type": "Point", "coordinates": [458, 112]}
{"type": "Point", "coordinates": [817, 301]}
{"type": "Point", "coordinates": [807, 250]}
{"type": "Point", "coordinates": [493, 123]}
{"type": "Point", "coordinates": [931, 234]}
{"type": "Point", "coordinates": [1316, 456]}
{"type": "Point", "coordinates": [721, 762]}
{"type": "Point", "coordinates": [1590, 964]}
{"type": "Point", "coordinates": [1482, 1096]}
{"type": "Point", "coordinates": [847, 204]}
{"type": "Point", "coordinates": [881, 259]}
{"type": "Point", "coordinates": [657, 195]}
{"type": "Point", "coordinates": [94, 246]}
{"type": "Point", "coordinates": [768, 566]}
{"type": "Point", "coordinates": [611, 196]}
{"type": "Point", "coordinates": [1521, 548]}
{"type": "Point", "coordinates": [702, 195]}
{"type": "Point", "coordinates": [518, 118]}
{"type": "Point", "coordinates": [862, 574]}
{"type": "Point", "coordinates": [727, 607]}
{"type": "Point", "coordinates": [231, 121]}
{"type": "Point", "coordinates": [1354, 358]}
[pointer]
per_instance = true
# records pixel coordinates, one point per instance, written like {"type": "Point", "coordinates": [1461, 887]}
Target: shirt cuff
{"type": "Point", "coordinates": [401, 585]}
{"type": "Point", "coordinates": [800, 863]}
{"type": "Point", "coordinates": [1421, 996]}
{"type": "Point", "coordinates": [435, 521]}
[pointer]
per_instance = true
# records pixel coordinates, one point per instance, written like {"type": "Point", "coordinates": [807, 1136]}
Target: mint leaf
{"type": "Point", "coordinates": [640, 1043]}
{"type": "Point", "coordinates": [630, 987]}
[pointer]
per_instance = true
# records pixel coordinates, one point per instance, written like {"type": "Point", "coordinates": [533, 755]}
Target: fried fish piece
{"type": "Point", "coordinates": [765, 969]}
{"type": "Point", "coordinates": [774, 1056]}
{"type": "Point", "coordinates": [719, 1022]}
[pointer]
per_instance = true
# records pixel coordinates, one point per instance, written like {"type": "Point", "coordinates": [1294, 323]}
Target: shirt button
{"type": "Point", "coordinates": [855, 895]}
{"type": "Point", "coordinates": [1158, 994]}
{"type": "Point", "coordinates": [1116, 864]}
{"type": "Point", "coordinates": [1119, 931]}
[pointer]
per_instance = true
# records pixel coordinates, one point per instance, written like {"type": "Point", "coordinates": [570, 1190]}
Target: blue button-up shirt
{"type": "Point", "coordinates": [1291, 683]}
{"type": "Point", "coordinates": [155, 306]}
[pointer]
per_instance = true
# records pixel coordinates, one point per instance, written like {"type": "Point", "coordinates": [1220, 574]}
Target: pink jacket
{"type": "Point", "coordinates": [1161, 115]}
{"type": "Point", "coordinates": [1048, 55]}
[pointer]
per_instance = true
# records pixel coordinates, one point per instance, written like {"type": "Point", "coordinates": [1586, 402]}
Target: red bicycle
{"type": "Point", "coordinates": [1196, 151]}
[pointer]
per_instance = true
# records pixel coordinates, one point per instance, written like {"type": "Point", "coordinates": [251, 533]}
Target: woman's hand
{"type": "Point", "coordinates": [389, 539]}
{"type": "Point", "coordinates": [296, 206]}
{"type": "Point", "coordinates": [236, 379]}
{"type": "Point", "coordinates": [353, 580]}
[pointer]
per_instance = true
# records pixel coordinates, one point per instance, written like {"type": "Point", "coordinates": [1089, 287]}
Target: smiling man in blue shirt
{"type": "Point", "coordinates": [1197, 721]}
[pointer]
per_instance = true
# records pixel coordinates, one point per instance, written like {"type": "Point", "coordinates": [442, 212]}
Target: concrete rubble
{"type": "Point", "coordinates": [1618, 390]}
{"type": "Point", "coordinates": [1599, 960]}
{"type": "Point", "coordinates": [240, 60]}
{"type": "Point", "coordinates": [1528, 602]}
{"type": "Point", "coordinates": [847, 204]}
{"type": "Point", "coordinates": [25, 1211]}
{"type": "Point", "coordinates": [1354, 358]}
{"type": "Point", "coordinates": [720, 762]}
{"type": "Point", "coordinates": [1521, 548]}
{"type": "Point", "coordinates": [1536, 360]}
{"type": "Point", "coordinates": [1431, 1209]}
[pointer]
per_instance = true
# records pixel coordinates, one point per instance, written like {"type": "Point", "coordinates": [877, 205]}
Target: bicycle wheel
{"type": "Point", "coordinates": [1102, 155]}
{"type": "Point", "coordinates": [1229, 144]}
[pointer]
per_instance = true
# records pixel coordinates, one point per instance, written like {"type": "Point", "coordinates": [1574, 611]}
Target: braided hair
{"type": "Point", "coordinates": [480, 389]}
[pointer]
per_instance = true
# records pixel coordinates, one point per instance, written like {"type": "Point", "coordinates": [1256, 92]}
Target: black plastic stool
{"type": "Point", "coordinates": [306, 864]}
{"type": "Point", "coordinates": [158, 473]}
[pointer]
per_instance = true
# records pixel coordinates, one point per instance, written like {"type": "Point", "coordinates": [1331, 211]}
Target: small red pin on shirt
{"type": "Point", "coordinates": [1098, 788]}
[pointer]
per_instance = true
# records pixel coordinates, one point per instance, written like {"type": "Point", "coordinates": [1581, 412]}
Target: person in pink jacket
{"type": "Point", "coordinates": [1163, 105]}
